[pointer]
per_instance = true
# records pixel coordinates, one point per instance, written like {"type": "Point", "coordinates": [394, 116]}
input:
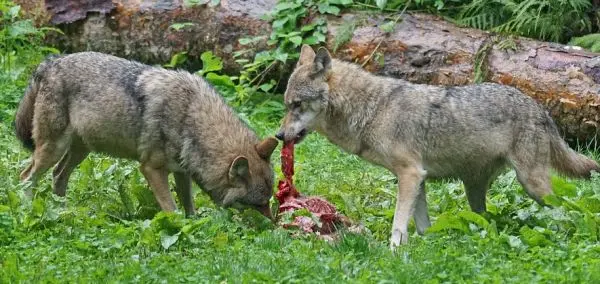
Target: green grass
{"type": "Point", "coordinates": [94, 237]}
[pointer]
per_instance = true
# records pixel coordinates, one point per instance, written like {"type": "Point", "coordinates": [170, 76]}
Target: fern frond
{"type": "Point", "coordinates": [554, 20]}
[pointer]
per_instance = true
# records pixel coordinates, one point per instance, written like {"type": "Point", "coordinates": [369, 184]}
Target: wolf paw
{"type": "Point", "coordinates": [398, 238]}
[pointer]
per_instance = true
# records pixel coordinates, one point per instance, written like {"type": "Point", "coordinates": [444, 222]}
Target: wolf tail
{"type": "Point", "coordinates": [24, 117]}
{"type": "Point", "coordinates": [566, 160]}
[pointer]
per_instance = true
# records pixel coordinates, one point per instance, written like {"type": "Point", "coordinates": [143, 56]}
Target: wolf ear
{"type": "Point", "coordinates": [307, 55]}
{"type": "Point", "coordinates": [322, 62]}
{"type": "Point", "coordinates": [239, 168]}
{"type": "Point", "coordinates": [266, 147]}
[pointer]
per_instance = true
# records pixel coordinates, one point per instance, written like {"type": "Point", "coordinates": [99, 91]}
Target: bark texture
{"type": "Point", "coordinates": [422, 48]}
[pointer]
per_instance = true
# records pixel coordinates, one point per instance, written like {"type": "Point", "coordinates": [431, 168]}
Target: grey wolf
{"type": "Point", "coordinates": [421, 131]}
{"type": "Point", "coordinates": [170, 121]}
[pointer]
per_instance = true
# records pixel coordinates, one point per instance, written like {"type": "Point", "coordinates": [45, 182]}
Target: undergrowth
{"type": "Point", "coordinates": [548, 20]}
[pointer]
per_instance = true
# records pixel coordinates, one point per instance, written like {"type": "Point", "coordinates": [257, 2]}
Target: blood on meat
{"type": "Point", "coordinates": [290, 199]}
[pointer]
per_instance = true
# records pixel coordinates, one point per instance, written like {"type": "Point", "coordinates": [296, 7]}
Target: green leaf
{"type": "Point", "coordinates": [340, 2]}
{"type": "Point", "coordinates": [323, 7]}
{"type": "Point", "coordinates": [177, 59]}
{"type": "Point", "coordinates": [170, 222]}
{"type": "Point", "coordinates": [167, 240]}
{"type": "Point", "coordinates": [307, 28]}
{"type": "Point", "coordinates": [448, 222]}
{"type": "Point", "coordinates": [285, 6]}
{"type": "Point", "coordinates": [13, 199]}
{"type": "Point", "coordinates": [280, 56]}
{"type": "Point", "coordinates": [190, 228]}
{"type": "Point", "coordinates": [220, 240]}
{"type": "Point", "coordinates": [553, 200]}
{"type": "Point", "coordinates": [53, 29]}
{"type": "Point", "coordinates": [388, 27]}
{"type": "Point", "coordinates": [277, 24]}
{"type": "Point", "coordinates": [381, 4]}
{"type": "Point", "coordinates": [439, 4]}
{"type": "Point", "coordinates": [38, 207]}
{"type": "Point", "coordinates": [474, 218]}
{"type": "Point", "coordinates": [13, 12]}
{"type": "Point", "coordinates": [563, 188]}
{"type": "Point", "coordinates": [192, 3]}
{"type": "Point", "coordinates": [592, 227]}
{"type": "Point", "coordinates": [219, 80]}
{"type": "Point", "coordinates": [532, 237]}
{"type": "Point", "coordinates": [179, 26]}
{"type": "Point", "coordinates": [50, 50]}
{"type": "Point", "coordinates": [214, 3]}
{"type": "Point", "coordinates": [333, 10]}
{"type": "Point", "coordinates": [591, 204]}
{"type": "Point", "coordinates": [23, 27]}
{"type": "Point", "coordinates": [311, 40]}
{"type": "Point", "coordinates": [296, 40]}
{"type": "Point", "coordinates": [210, 62]}
{"type": "Point", "coordinates": [514, 242]}
{"type": "Point", "coordinates": [244, 41]}
{"type": "Point", "coordinates": [266, 87]}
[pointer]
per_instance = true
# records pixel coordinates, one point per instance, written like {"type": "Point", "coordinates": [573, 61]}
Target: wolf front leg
{"type": "Point", "coordinates": [409, 180]}
{"type": "Point", "coordinates": [183, 186]}
{"type": "Point", "coordinates": [158, 178]}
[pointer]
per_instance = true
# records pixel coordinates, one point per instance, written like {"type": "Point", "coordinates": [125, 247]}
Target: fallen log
{"type": "Point", "coordinates": [142, 30]}
{"type": "Point", "coordinates": [421, 48]}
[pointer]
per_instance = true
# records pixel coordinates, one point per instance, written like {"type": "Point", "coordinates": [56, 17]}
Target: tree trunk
{"type": "Point", "coordinates": [421, 48]}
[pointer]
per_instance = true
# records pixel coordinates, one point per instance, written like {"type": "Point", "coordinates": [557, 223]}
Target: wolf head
{"type": "Point", "coordinates": [307, 94]}
{"type": "Point", "coordinates": [250, 179]}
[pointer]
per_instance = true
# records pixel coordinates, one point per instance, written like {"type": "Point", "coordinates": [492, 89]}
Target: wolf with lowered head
{"type": "Point", "coordinates": [421, 131]}
{"type": "Point", "coordinates": [169, 121]}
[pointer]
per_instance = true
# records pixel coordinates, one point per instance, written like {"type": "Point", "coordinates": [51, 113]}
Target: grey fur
{"type": "Point", "coordinates": [170, 121]}
{"type": "Point", "coordinates": [422, 131]}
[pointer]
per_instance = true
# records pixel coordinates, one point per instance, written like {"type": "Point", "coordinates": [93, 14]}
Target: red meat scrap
{"type": "Point", "coordinates": [324, 217]}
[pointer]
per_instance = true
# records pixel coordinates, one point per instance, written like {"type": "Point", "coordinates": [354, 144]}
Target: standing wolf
{"type": "Point", "coordinates": [421, 131]}
{"type": "Point", "coordinates": [170, 121]}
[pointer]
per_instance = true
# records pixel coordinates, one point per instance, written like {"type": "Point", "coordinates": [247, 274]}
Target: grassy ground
{"type": "Point", "coordinates": [96, 236]}
{"type": "Point", "coordinates": [108, 230]}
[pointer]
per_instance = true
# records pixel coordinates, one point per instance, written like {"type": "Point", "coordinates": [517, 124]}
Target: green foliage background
{"type": "Point", "coordinates": [108, 228]}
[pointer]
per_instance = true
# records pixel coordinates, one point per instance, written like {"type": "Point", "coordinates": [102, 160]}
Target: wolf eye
{"type": "Point", "coordinates": [296, 104]}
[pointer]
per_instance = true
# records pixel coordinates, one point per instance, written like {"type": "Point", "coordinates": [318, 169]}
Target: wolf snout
{"type": "Point", "coordinates": [279, 135]}
{"type": "Point", "coordinates": [289, 136]}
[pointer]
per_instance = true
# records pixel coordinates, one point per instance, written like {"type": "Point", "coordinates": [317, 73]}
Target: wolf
{"type": "Point", "coordinates": [421, 131]}
{"type": "Point", "coordinates": [170, 121]}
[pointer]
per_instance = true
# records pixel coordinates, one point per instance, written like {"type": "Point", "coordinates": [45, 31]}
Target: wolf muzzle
{"type": "Point", "coordinates": [299, 136]}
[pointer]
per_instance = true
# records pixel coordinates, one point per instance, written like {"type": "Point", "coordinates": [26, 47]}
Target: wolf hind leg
{"type": "Point", "coordinates": [476, 191]}
{"type": "Point", "coordinates": [71, 159]}
{"type": "Point", "coordinates": [478, 184]}
{"type": "Point", "coordinates": [46, 154]}
{"type": "Point", "coordinates": [532, 164]}
{"type": "Point", "coordinates": [535, 181]}
{"type": "Point", "coordinates": [421, 214]}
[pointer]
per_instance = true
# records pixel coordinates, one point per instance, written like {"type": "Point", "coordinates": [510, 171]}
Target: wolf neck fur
{"type": "Point", "coordinates": [351, 87]}
{"type": "Point", "coordinates": [207, 151]}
